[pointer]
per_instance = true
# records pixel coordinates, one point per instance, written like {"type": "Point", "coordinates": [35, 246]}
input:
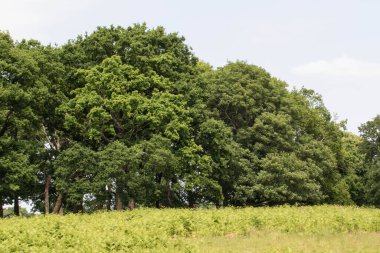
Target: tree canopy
{"type": "Point", "coordinates": [127, 117]}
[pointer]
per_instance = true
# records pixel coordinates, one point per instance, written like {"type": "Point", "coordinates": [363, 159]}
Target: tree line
{"type": "Point", "coordinates": [126, 117]}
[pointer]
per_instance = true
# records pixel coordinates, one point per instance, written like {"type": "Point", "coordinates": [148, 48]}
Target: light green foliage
{"type": "Point", "coordinates": [119, 103]}
{"type": "Point", "coordinates": [128, 93]}
{"type": "Point", "coordinates": [171, 230]}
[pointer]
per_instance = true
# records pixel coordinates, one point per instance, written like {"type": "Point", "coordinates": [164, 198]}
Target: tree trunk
{"type": "Point", "coordinates": [1, 207]}
{"type": "Point", "coordinates": [119, 202]}
{"type": "Point", "coordinates": [109, 198]}
{"type": "Point", "coordinates": [16, 206]}
{"type": "Point", "coordinates": [77, 207]}
{"type": "Point", "coordinates": [99, 204]}
{"type": "Point", "coordinates": [169, 193]}
{"type": "Point", "coordinates": [131, 204]}
{"type": "Point", "coordinates": [191, 199]}
{"type": "Point", "coordinates": [158, 181]}
{"type": "Point", "coordinates": [58, 204]}
{"type": "Point", "coordinates": [119, 205]}
{"type": "Point", "coordinates": [226, 198]}
{"type": "Point", "coordinates": [46, 192]}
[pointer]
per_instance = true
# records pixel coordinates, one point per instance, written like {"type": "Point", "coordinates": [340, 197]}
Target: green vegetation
{"type": "Point", "coordinates": [269, 241]}
{"type": "Point", "coordinates": [127, 117]}
{"type": "Point", "coordinates": [265, 229]}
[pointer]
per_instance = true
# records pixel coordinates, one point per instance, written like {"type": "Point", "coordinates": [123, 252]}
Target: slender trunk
{"type": "Point", "coordinates": [131, 204]}
{"type": "Point", "coordinates": [46, 192]}
{"type": "Point", "coordinates": [1, 207]}
{"type": "Point", "coordinates": [158, 181]}
{"type": "Point", "coordinates": [99, 204]}
{"type": "Point", "coordinates": [119, 205]}
{"type": "Point", "coordinates": [16, 207]}
{"type": "Point", "coordinates": [78, 207]}
{"type": "Point", "coordinates": [61, 210]}
{"type": "Point", "coordinates": [81, 206]}
{"type": "Point", "coordinates": [169, 193]}
{"type": "Point", "coordinates": [109, 198]}
{"type": "Point", "coordinates": [225, 201]}
{"type": "Point", "coordinates": [119, 202]}
{"type": "Point", "coordinates": [191, 199]}
{"type": "Point", "coordinates": [58, 204]}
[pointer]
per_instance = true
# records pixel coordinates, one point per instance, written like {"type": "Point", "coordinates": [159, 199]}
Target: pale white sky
{"type": "Point", "coordinates": [329, 46]}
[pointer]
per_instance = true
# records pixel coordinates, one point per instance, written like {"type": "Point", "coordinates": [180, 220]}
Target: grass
{"type": "Point", "coordinates": [276, 229]}
{"type": "Point", "coordinates": [273, 241]}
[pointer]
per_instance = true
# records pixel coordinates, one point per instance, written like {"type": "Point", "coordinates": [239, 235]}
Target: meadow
{"type": "Point", "coordinates": [264, 229]}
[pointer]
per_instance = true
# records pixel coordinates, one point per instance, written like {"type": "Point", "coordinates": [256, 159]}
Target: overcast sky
{"type": "Point", "coordinates": [329, 46]}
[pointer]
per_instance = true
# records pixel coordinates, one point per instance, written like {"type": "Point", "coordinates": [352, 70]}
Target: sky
{"type": "Point", "coordinates": [328, 46]}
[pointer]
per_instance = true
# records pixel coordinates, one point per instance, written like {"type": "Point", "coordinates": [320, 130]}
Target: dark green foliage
{"type": "Point", "coordinates": [284, 178]}
{"type": "Point", "coordinates": [76, 168]}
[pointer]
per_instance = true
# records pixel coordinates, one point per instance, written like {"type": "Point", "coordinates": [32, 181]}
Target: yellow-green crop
{"type": "Point", "coordinates": [178, 230]}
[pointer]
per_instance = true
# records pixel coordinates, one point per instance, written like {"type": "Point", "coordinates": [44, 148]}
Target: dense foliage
{"type": "Point", "coordinates": [127, 117]}
{"type": "Point", "coordinates": [180, 230]}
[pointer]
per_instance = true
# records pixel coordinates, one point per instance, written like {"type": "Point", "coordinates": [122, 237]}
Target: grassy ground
{"type": "Point", "coordinates": [277, 229]}
{"type": "Point", "coordinates": [273, 241]}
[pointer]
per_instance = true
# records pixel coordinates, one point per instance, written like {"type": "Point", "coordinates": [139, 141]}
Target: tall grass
{"type": "Point", "coordinates": [179, 230]}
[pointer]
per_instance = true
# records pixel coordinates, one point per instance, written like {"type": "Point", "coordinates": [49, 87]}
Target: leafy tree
{"type": "Point", "coordinates": [75, 170]}
{"type": "Point", "coordinates": [354, 165]}
{"type": "Point", "coordinates": [284, 178]}
{"type": "Point", "coordinates": [239, 92]}
{"type": "Point", "coordinates": [370, 132]}
{"type": "Point", "coordinates": [19, 125]}
{"type": "Point", "coordinates": [125, 92]}
{"type": "Point", "coordinates": [227, 155]}
{"type": "Point", "coordinates": [129, 116]}
{"type": "Point", "coordinates": [373, 177]}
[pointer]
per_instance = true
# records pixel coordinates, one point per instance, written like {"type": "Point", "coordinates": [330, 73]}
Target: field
{"type": "Point", "coordinates": [275, 229]}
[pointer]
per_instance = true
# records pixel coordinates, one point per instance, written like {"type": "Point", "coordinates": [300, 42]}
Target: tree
{"type": "Point", "coordinates": [129, 116]}
{"type": "Point", "coordinates": [370, 132]}
{"type": "Point", "coordinates": [19, 95]}
{"type": "Point", "coordinates": [75, 171]}
{"type": "Point", "coordinates": [284, 178]}
{"type": "Point", "coordinates": [354, 167]}
{"type": "Point", "coordinates": [125, 93]}
{"type": "Point", "coordinates": [227, 156]}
